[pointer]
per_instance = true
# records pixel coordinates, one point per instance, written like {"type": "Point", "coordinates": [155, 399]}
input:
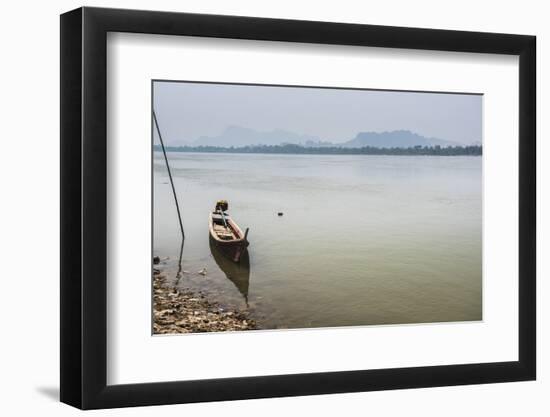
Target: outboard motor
{"type": "Point", "coordinates": [222, 205]}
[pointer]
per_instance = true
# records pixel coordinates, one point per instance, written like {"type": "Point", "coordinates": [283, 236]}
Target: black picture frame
{"type": "Point", "coordinates": [84, 207]}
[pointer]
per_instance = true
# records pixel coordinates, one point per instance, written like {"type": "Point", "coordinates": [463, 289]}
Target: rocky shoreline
{"type": "Point", "coordinates": [177, 310]}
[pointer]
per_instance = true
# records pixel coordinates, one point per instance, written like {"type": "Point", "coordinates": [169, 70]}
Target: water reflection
{"type": "Point", "coordinates": [179, 274]}
{"type": "Point", "coordinates": [237, 273]}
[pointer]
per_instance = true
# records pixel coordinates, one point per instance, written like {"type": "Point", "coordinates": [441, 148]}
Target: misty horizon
{"type": "Point", "coordinates": [314, 139]}
{"type": "Point", "coordinates": [190, 111]}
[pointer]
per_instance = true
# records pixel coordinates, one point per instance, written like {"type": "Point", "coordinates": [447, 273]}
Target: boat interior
{"type": "Point", "coordinates": [223, 230]}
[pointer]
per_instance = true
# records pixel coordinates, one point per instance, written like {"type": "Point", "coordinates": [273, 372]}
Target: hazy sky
{"type": "Point", "coordinates": [186, 111]}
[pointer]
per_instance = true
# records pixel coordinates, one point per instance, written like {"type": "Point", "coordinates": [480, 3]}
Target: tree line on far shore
{"type": "Point", "coordinates": [473, 150]}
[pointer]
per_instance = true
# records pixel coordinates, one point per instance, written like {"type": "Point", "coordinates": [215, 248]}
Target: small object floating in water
{"type": "Point", "coordinates": [156, 260]}
{"type": "Point", "coordinates": [226, 234]}
{"type": "Point", "coordinates": [280, 214]}
{"type": "Point", "coordinates": [203, 271]}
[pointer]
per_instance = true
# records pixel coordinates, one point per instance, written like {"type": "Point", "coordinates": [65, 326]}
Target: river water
{"type": "Point", "coordinates": [364, 240]}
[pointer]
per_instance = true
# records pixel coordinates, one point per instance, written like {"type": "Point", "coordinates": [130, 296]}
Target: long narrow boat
{"type": "Point", "coordinates": [226, 234]}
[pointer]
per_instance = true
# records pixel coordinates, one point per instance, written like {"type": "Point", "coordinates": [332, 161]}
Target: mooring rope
{"type": "Point", "coordinates": [170, 176]}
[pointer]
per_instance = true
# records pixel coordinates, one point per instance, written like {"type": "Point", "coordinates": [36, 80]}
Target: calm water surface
{"type": "Point", "coordinates": [364, 239]}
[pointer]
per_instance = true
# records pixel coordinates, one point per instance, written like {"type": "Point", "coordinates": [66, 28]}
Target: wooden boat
{"type": "Point", "coordinates": [226, 234]}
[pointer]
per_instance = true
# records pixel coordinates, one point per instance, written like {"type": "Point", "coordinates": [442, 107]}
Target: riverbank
{"type": "Point", "coordinates": [177, 310]}
{"type": "Point", "coordinates": [292, 149]}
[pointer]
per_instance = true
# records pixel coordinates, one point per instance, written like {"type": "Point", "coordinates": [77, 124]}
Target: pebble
{"type": "Point", "coordinates": [184, 311]}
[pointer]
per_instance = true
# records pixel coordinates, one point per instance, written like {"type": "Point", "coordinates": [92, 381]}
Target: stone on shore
{"type": "Point", "coordinates": [183, 311]}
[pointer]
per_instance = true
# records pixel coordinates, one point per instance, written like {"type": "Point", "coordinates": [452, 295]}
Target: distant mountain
{"type": "Point", "coordinates": [394, 139]}
{"type": "Point", "coordinates": [237, 136]}
{"type": "Point", "coordinates": [241, 136]}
